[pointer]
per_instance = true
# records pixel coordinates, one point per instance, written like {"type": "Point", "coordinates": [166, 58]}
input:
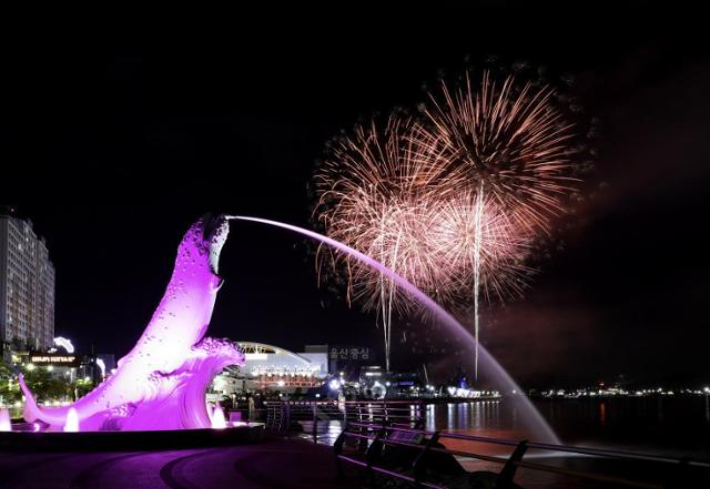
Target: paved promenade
{"type": "Point", "coordinates": [276, 464]}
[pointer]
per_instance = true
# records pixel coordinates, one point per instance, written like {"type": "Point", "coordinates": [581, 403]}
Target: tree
{"type": "Point", "coordinates": [9, 388]}
{"type": "Point", "coordinates": [45, 386]}
{"type": "Point", "coordinates": [81, 387]}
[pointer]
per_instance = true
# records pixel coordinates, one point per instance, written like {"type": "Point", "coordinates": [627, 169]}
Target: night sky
{"type": "Point", "coordinates": [113, 145]}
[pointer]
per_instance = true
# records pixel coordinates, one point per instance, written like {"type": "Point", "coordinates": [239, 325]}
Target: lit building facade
{"type": "Point", "coordinates": [270, 368]}
{"type": "Point", "coordinates": [26, 285]}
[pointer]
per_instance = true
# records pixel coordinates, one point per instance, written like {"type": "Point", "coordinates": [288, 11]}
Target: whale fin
{"type": "Point", "coordinates": [31, 412]}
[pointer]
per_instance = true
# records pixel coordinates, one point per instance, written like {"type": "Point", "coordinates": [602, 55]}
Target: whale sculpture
{"type": "Point", "coordinates": [161, 383]}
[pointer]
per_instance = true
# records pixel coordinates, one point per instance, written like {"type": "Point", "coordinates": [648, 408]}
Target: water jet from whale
{"type": "Point", "coordinates": [522, 407]}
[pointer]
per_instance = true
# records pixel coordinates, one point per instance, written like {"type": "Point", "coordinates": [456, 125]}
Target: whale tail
{"type": "Point", "coordinates": [32, 411]}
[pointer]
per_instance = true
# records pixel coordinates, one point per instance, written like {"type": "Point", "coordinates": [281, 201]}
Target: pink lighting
{"type": "Point", "coordinates": [161, 383]}
{"type": "Point", "coordinates": [5, 420]}
{"type": "Point", "coordinates": [218, 420]}
{"type": "Point", "coordinates": [72, 424]}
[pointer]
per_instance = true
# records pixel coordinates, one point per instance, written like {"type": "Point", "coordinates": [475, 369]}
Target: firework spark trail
{"type": "Point", "coordinates": [477, 268]}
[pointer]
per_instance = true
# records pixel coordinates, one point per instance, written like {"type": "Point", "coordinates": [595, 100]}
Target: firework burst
{"type": "Point", "coordinates": [482, 249]}
{"type": "Point", "coordinates": [509, 142]}
{"type": "Point", "coordinates": [511, 147]}
{"type": "Point", "coordinates": [451, 203]}
{"type": "Point", "coordinates": [379, 194]}
{"type": "Point", "coordinates": [375, 196]}
{"type": "Point", "coordinates": [472, 232]}
{"type": "Point", "coordinates": [371, 195]}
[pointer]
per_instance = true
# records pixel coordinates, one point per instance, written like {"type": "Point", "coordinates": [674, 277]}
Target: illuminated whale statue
{"type": "Point", "coordinates": [161, 383]}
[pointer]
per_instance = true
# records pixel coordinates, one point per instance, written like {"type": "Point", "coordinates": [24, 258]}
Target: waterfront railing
{"type": "Point", "coordinates": [370, 446]}
{"type": "Point", "coordinates": [312, 415]}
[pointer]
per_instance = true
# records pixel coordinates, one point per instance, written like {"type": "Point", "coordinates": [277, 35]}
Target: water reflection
{"type": "Point", "coordinates": [679, 426]}
{"type": "Point", "coordinates": [430, 422]}
{"type": "Point", "coordinates": [466, 416]}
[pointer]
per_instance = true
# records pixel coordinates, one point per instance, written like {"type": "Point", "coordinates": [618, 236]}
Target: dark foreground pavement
{"type": "Point", "coordinates": [279, 464]}
{"type": "Point", "coordinates": [273, 464]}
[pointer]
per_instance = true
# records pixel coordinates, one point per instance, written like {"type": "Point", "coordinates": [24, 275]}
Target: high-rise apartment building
{"type": "Point", "coordinates": [26, 285]}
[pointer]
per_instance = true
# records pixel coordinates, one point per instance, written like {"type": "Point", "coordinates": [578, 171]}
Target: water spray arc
{"type": "Point", "coordinates": [387, 304]}
{"type": "Point", "coordinates": [442, 315]}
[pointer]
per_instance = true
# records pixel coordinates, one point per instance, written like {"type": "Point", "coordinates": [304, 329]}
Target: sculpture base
{"type": "Point", "coordinates": [121, 441]}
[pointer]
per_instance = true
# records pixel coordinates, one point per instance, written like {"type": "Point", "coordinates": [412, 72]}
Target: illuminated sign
{"type": "Point", "coordinates": [256, 356]}
{"type": "Point", "coordinates": [64, 343]}
{"type": "Point", "coordinates": [55, 360]}
{"type": "Point", "coordinates": [351, 354]}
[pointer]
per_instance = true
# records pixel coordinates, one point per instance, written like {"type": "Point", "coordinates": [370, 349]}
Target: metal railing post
{"type": "Point", "coordinates": [338, 449]}
{"type": "Point", "coordinates": [372, 454]}
{"type": "Point", "coordinates": [315, 421]}
{"type": "Point", "coordinates": [677, 476]}
{"type": "Point", "coordinates": [418, 464]}
{"type": "Point", "coordinates": [377, 435]}
{"type": "Point", "coordinates": [506, 476]}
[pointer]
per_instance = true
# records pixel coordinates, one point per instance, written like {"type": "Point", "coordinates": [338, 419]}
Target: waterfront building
{"type": "Point", "coordinates": [271, 368]}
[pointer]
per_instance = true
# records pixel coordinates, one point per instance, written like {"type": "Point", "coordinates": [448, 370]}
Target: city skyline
{"type": "Point", "coordinates": [136, 144]}
{"type": "Point", "coordinates": [344, 246]}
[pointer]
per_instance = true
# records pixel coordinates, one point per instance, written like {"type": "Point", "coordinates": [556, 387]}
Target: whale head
{"type": "Point", "coordinates": [215, 229]}
{"type": "Point", "coordinates": [203, 243]}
